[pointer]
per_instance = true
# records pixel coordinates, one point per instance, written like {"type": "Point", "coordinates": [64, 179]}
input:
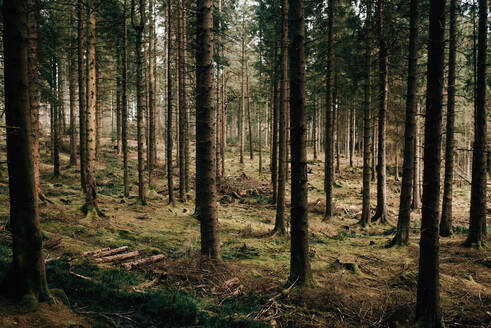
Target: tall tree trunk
{"type": "Point", "coordinates": [242, 92]}
{"type": "Point", "coordinates": [91, 195]}
{"type": "Point", "coordinates": [124, 102]}
{"type": "Point", "coordinates": [34, 95]}
{"type": "Point", "coordinates": [402, 233]}
{"type": "Point", "coordinates": [300, 270]}
{"type": "Point", "coordinates": [446, 220]}
{"type": "Point", "coordinates": [365, 213]}
{"type": "Point", "coordinates": [152, 97]}
{"type": "Point", "coordinates": [73, 99]}
{"type": "Point", "coordinates": [280, 222]}
{"type": "Point", "coordinates": [170, 180]}
{"type": "Point", "coordinates": [55, 129]}
{"type": "Point", "coordinates": [314, 128]}
{"type": "Point", "coordinates": [82, 105]}
{"type": "Point", "coordinates": [428, 311]}
{"type": "Point", "coordinates": [205, 152]}
{"type": "Point", "coordinates": [140, 94]}
{"type": "Point", "coordinates": [26, 278]}
{"type": "Point", "coordinates": [183, 110]}
{"type": "Point", "coordinates": [477, 225]}
{"type": "Point", "coordinates": [328, 171]}
{"type": "Point", "coordinates": [381, 212]}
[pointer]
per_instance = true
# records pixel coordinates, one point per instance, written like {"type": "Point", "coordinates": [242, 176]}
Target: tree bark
{"type": "Point", "coordinates": [91, 195]}
{"type": "Point", "coordinates": [82, 109]}
{"type": "Point", "coordinates": [381, 212]}
{"type": "Point", "coordinates": [428, 311]}
{"type": "Point", "coordinates": [73, 99]}
{"type": "Point", "coordinates": [205, 141]}
{"type": "Point", "coordinates": [477, 225]}
{"type": "Point", "coordinates": [365, 213]}
{"type": "Point", "coordinates": [300, 271]}
{"type": "Point", "coordinates": [183, 110]}
{"type": "Point", "coordinates": [328, 169]}
{"type": "Point", "coordinates": [124, 103]}
{"type": "Point", "coordinates": [26, 278]}
{"type": "Point", "coordinates": [280, 224]}
{"type": "Point", "coordinates": [170, 180]}
{"type": "Point", "coordinates": [140, 95]}
{"type": "Point", "coordinates": [402, 233]}
{"type": "Point", "coordinates": [446, 219]}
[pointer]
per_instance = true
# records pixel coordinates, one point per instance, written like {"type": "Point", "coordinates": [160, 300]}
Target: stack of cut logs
{"type": "Point", "coordinates": [120, 254]}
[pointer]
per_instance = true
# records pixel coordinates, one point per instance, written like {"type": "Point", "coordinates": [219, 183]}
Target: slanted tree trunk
{"type": "Point", "coordinates": [91, 207]}
{"type": "Point", "coordinates": [170, 179]}
{"type": "Point", "coordinates": [26, 278]}
{"type": "Point", "coordinates": [82, 97]}
{"type": "Point", "coordinates": [428, 311]}
{"type": "Point", "coordinates": [365, 213]}
{"type": "Point", "coordinates": [280, 222]}
{"type": "Point", "coordinates": [300, 271]}
{"type": "Point", "coordinates": [328, 171]}
{"type": "Point", "coordinates": [205, 152]}
{"type": "Point", "coordinates": [477, 225]}
{"type": "Point", "coordinates": [140, 95]}
{"type": "Point", "coordinates": [402, 233]}
{"type": "Point", "coordinates": [381, 211]}
{"type": "Point", "coordinates": [73, 99]}
{"type": "Point", "coordinates": [446, 220]}
{"type": "Point", "coordinates": [124, 103]}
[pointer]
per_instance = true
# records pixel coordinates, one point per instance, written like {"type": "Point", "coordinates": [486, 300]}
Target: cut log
{"type": "Point", "coordinates": [110, 252]}
{"type": "Point", "coordinates": [118, 257]}
{"type": "Point", "coordinates": [146, 260]}
{"type": "Point", "coordinates": [95, 252]}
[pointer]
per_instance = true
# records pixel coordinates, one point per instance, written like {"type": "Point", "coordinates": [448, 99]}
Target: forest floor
{"type": "Point", "coordinates": [358, 282]}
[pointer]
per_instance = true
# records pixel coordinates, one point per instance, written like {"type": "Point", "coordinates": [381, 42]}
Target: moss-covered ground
{"type": "Point", "coordinates": [358, 282]}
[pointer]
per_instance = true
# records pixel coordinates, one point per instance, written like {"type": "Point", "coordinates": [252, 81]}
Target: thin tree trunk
{"type": "Point", "coordinates": [280, 222]}
{"type": "Point", "coordinates": [446, 219]}
{"type": "Point", "coordinates": [205, 152]}
{"type": "Point", "coordinates": [275, 121]}
{"type": "Point", "coordinates": [352, 135]}
{"type": "Point", "coordinates": [428, 311]}
{"type": "Point", "coordinates": [300, 271]}
{"type": "Point", "coordinates": [56, 122]}
{"type": "Point", "coordinates": [26, 278]}
{"type": "Point", "coordinates": [73, 99]}
{"type": "Point", "coordinates": [124, 103]}
{"type": "Point", "coordinates": [416, 201]}
{"type": "Point", "coordinates": [152, 97]}
{"type": "Point", "coordinates": [98, 108]}
{"type": "Point", "coordinates": [242, 92]}
{"type": "Point", "coordinates": [251, 149]}
{"type": "Point", "coordinates": [365, 213]}
{"type": "Point", "coordinates": [381, 212]}
{"type": "Point", "coordinates": [170, 180]}
{"type": "Point", "coordinates": [82, 109]}
{"type": "Point", "coordinates": [477, 225]}
{"type": "Point", "coordinates": [328, 171]}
